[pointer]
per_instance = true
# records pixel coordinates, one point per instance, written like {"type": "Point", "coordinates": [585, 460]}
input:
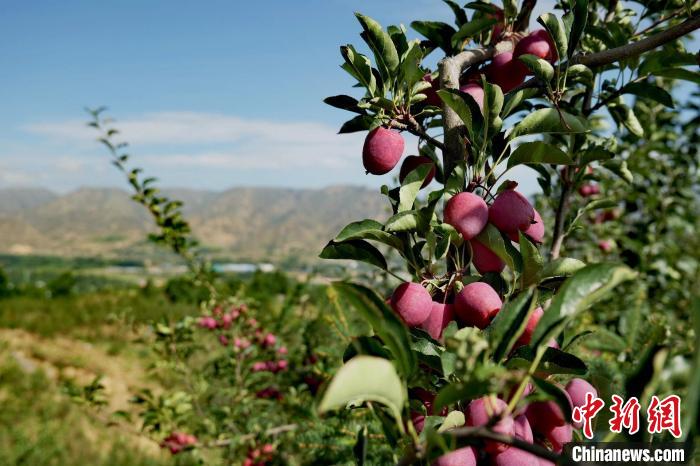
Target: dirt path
{"type": "Point", "coordinates": [62, 359]}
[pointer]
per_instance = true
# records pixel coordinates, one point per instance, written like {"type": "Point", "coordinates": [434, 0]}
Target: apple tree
{"type": "Point", "coordinates": [475, 355]}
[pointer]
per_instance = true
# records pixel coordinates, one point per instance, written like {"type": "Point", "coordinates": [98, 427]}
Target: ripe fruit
{"type": "Point", "coordinates": [480, 411]}
{"type": "Point", "coordinates": [522, 429]}
{"type": "Point", "coordinates": [418, 421]}
{"type": "Point", "coordinates": [477, 304]}
{"type": "Point", "coordinates": [476, 91]}
{"type": "Point", "coordinates": [537, 43]}
{"type": "Point", "coordinates": [511, 211]}
{"type": "Point", "coordinates": [461, 457]}
{"type": "Point", "coordinates": [484, 259]}
{"type": "Point", "coordinates": [431, 95]}
{"type": "Point", "coordinates": [412, 302]}
{"type": "Point", "coordinates": [532, 322]}
{"type": "Point", "coordinates": [505, 71]}
{"type": "Point", "coordinates": [535, 231]}
{"type": "Point", "coordinates": [577, 389]}
{"type": "Point", "coordinates": [412, 162]}
{"type": "Point", "coordinates": [558, 436]}
{"type": "Point", "coordinates": [468, 213]}
{"type": "Point", "coordinates": [382, 150]}
{"type": "Point", "coordinates": [514, 456]}
{"type": "Point", "coordinates": [588, 190]}
{"type": "Point", "coordinates": [546, 415]}
{"type": "Point", "coordinates": [605, 245]}
{"type": "Point", "coordinates": [440, 316]}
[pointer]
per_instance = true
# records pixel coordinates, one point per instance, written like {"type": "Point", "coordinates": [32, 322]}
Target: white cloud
{"type": "Point", "coordinates": [192, 127]}
{"type": "Point", "coordinates": [240, 143]}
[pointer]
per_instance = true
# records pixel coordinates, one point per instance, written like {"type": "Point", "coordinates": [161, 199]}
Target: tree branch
{"type": "Point", "coordinates": [559, 219]}
{"type": "Point", "coordinates": [633, 49]}
{"type": "Point", "coordinates": [450, 71]}
{"type": "Point", "coordinates": [416, 129]}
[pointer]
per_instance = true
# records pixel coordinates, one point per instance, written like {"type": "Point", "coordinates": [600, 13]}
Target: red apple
{"type": "Point", "coordinates": [382, 150]}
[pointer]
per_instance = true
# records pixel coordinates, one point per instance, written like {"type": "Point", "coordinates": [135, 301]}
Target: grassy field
{"type": "Point", "coordinates": [50, 347]}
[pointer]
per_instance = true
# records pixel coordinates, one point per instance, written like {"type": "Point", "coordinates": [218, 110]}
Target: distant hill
{"type": "Point", "coordinates": [239, 224]}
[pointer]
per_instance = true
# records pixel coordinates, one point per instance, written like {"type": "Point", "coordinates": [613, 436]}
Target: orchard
{"type": "Point", "coordinates": [490, 318]}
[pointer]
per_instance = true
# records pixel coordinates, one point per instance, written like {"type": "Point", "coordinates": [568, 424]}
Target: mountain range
{"type": "Point", "coordinates": [242, 224]}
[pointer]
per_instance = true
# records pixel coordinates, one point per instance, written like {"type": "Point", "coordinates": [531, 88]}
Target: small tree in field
{"type": "Point", "coordinates": [469, 355]}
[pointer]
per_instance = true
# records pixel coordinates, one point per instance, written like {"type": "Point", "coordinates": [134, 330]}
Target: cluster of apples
{"type": "Point", "coordinates": [260, 456]}
{"type": "Point", "coordinates": [477, 303]}
{"type": "Point", "coordinates": [384, 147]}
{"type": "Point", "coordinates": [541, 422]}
{"type": "Point", "coordinates": [178, 441]}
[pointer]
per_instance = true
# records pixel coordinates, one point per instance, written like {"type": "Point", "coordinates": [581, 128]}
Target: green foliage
{"type": "Point", "coordinates": [4, 284]}
{"type": "Point", "coordinates": [62, 285]}
{"type": "Point", "coordinates": [183, 290]}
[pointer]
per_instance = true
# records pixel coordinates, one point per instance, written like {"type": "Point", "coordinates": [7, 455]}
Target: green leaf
{"type": "Point", "coordinates": [619, 167]}
{"type": "Point", "coordinates": [649, 91]}
{"type": "Point", "coordinates": [532, 261]}
{"type": "Point", "coordinates": [509, 323]}
{"type": "Point", "coordinates": [548, 120]}
{"type": "Point", "coordinates": [555, 393]}
{"type": "Point", "coordinates": [623, 115]}
{"type": "Point", "coordinates": [456, 392]}
{"type": "Point", "coordinates": [471, 29]}
{"type": "Point", "coordinates": [456, 180]}
{"type": "Point", "coordinates": [358, 250]}
{"type": "Point", "coordinates": [452, 420]}
{"type": "Point", "coordinates": [493, 239]}
{"type": "Point", "coordinates": [561, 268]}
{"type": "Point", "coordinates": [604, 340]}
{"type": "Point", "coordinates": [436, 32]}
{"type": "Point", "coordinates": [493, 103]}
{"type": "Point", "coordinates": [360, 448]}
{"type": "Point", "coordinates": [580, 73]}
{"type": "Point", "coordinates": [381, 44]}
{"type": "Point", "coordinates": [580, 11]}
{"type": "Point", "coordinates": [553, 361]}
{"type": "Point", "coordinates": [542, 69]}
{"type": "Point", "coordinates": [595, 154]}
{"type": "Point", "coordinates": [411, 186]}
{"type": "Point", "coordinates": [538, 152]}
{"type": "Point", "coordinates": [359, 67]}
{"type": "Point", "coordinates": [383, 320]}
{"type": "Point", "coordinates": [344, 102]}
{"type": "Point", "coordinates": [583, 289]}
{"type": "Point", "coordinates": [514, 99]}
{"type": "Point", "coordinates": [456, 101]}
{"type": "Point", "coordinates": [356, 124]}
{"type": "Point", "coordinates": [403, 221]}
{"type": "Point", "coordinates": [556, 30]}
{"type": "Point", "coordinates": [411, 72]}
{"type": "Point", "coordinates": [369, 230]}
{"type": "Point", "coordinates": [460, 14]}
{"type": "Point", "coordinates": [679, 73]}
{"type": "Point", "coordinates": [668, 58]}
{"type": "Point", "coordinates": [362, 379]}
{"type": "Point", "coordinates": [398, 37]}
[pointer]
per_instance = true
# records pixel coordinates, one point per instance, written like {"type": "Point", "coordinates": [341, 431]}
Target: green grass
{"type": "Point", "coordinates": [41, 427]}
{"type": "Point", "coordinates": [70, 314]}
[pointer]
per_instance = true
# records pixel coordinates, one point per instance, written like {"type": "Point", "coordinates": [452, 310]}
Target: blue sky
{"type": "Point", "coordinates": [210, 94]}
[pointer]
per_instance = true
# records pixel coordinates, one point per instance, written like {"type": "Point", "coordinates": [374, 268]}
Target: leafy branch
{"type": "Point", "coordinates": [174, 231]}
